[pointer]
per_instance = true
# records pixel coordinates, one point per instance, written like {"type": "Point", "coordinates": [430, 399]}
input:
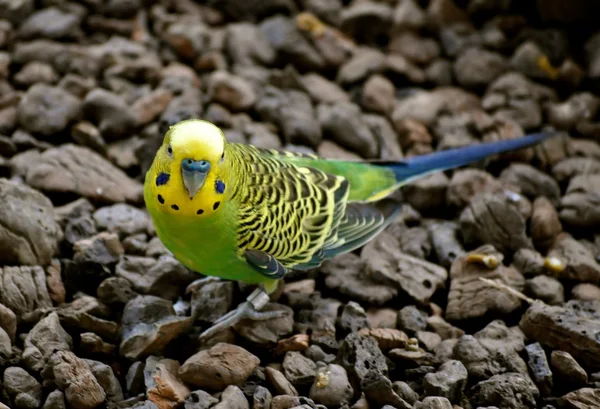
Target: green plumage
{"type": "Point", "coordinates": [280, 210]}
{"type": "Point", "coordinates": [296, 209]}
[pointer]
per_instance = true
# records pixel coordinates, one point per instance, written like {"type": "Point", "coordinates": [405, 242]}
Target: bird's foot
{"type": "Point", "coordinates": [249, 309]}
{"type": "Point", "coordinates": [199, 283]}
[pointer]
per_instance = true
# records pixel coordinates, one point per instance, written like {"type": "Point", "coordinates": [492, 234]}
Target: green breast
{"type": "Point", "coordinates": [205, 245]}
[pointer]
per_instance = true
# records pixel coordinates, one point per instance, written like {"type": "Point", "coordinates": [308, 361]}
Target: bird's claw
{"type": "Point", "coordinates": [250, 309]}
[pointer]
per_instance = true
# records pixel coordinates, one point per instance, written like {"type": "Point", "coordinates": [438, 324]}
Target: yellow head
{"type": "Point", "coordinates": [186, 177]}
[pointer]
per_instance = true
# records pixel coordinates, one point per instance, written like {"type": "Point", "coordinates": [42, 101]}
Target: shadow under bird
{"type": "Point", "coordinates": [238, 212]}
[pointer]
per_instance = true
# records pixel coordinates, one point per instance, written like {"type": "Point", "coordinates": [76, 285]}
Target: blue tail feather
{"type": "Point", "coordinates": [419, 166]}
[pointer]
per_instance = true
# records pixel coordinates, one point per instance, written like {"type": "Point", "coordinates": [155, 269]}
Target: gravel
{"type": "Point", "coordinates": [93, 308]}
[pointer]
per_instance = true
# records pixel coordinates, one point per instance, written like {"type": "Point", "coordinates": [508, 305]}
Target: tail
{"type": "Point", "coordinates": [419, 166]}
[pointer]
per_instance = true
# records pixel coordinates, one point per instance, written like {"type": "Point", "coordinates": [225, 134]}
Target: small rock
{"type": "Point", "coordinates": [47, 110]}
{"type": "Point", "coordinates": [36, 72]}
{"type": "Point", "coordinates": [93, 260]}
{"type": "Point", "coordinates": [579, 261]}
{"type": "Point", "coordinates": [200, 400]}
{"type": "Point", "coordinates": [279, 382]}
{"type": "Point", "coordinates": [218, 367]}
{"type": "Point", "coordinates": [418, 278]}
{"type": "Point", "coordinates": [378, 390]}
{"type": "Point", "coordinates": [246, 44]}
{"type": "Point", "coordinates": [52, 23]}
{"type": "Point", "coordinates": [568, 168]}
{"type": "Point", "coordinates": [470, 297]}
{"type": "Point", "coordinates": [404, 390]}
{"type": "Point", "coordinates": [24, 290]}
{"type": "Point", "coordinates": [411, 319]}
{"type": "Point", "coordinates": [578, 108]}
{"type": "Point", "coordinates": [449, 381]}
{"type": "Point", "coordinates": [379, 94]}
{"type": "Point", "coordinates": [445, 242]}
{"type": "Point", "coordinates": [579, 206]}
{"type": "Point", "coordinates": [115, 290]}
{"type": "Point", "coordinates": [90, 175]}
{"type": "Point", "coordinates": [547, 289]}
{"type": "Point", "coordinates": [288, 41]}
{"type": "Point", "coordinates": [467, 183]}
{"type": "Point", "coordinates": [114, 117]}
{"type": "Point", "coordinates": [165, 277]}
{"type": "Point", "coordinates": [364, 62]}
{"type": "Point", "coordinates": [107, 380]}
{"type": "Point", "coordinates": [416, 49]}
{"type": "Point", "coordinates": [74, 377]}
{"type": "Point", "coordinates": [442, 13]}
{"type": "Point", "coordinates": [376, 17]}
{"type": "Point", "coordinates": [361, 354]}
{"type": "Point", "coordinates": [55, 400]}
{"type": "Point", "coordinates": [531, 182]}
{"type": "Point", "coordinates": [347, 275]}
{"type": "Point", "coordinates": [387, 338]}
{"type": "Point", "coordinates": [267, 332]}
{"type": "Point", "coordinates": [514, 97]}
{"type": "Point", "coordinates": [84, 314]}
{"type": "Point", "coordinates": [343, 123]}
{"type": "Point", "coordinates": [232, 398]}
{"type": "Point", "coordinates": [298, 369]}
{"type": "Point", "coordinates": [331, 386]}
{"type": "Point", "coordinates": [320, 89]}
{"type": "Point", "coordinates": [163, 385]}
{"type": "Point", "coordinates": [382, 317]}
{"type": "Point", "coordinates": [434, 402]}
{"type": "Point", "coordinates": [232, 91]}
{"type": "Point", "coordinates": [567, 370]}
{"type": "Point", "coordinates": [16, 12]}
{"type": "Point", "coordinates": [122, 219]}
{"type": "Point", "coordinates": [148, 108]}
{"type": "Point", "coordinates": [539, 368]}
{"type": "Point", "coordinates": [563, 329]}
{"type": "Point", "coordinates": [510, 390]}
{"type": "Point", "coordinates": [530, 60]}
{"type": "Point", "coordinates": [29, 234]}
{"type": "Point", "coordinates": [149, 324]}
{"type": "Point", "coordinates": [293, 113]}
{"type": "Point", "coordinates": [353, 318]}
{"type": "Point", "coordinates": [428, 192]}
{"type": "Point", "coordinates": [92, 344]}
{"type": "Point", "coordinates": [443, 328]}
{"type": "Point", "coordinates": [480, 223]}
{"type": "Point", "coordinates": [86, 134]}
{"type": "Point", "coordinates": [545, 223]}
{"type": "Point", "coordinates": [8, 322]}
{"type": "Point", "coordinates": [45, 338]}
{"type": "Point", "coordinates": [582, 398]}
{"type": "Point", "coordinates": [429, 340]}
{"type": "Point", "coordinates": [586, 292]}
{"type": "Point", "coordinates": [212, 300]}
{"type": "Point", "coordinates": [24, 390]}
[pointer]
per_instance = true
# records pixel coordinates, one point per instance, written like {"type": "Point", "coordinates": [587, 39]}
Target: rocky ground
{"type": "Point", "coordinates": [93, 310]}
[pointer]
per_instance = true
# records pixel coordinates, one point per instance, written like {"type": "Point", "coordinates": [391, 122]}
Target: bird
{"type": "Point", "coordinates": [238, 212]}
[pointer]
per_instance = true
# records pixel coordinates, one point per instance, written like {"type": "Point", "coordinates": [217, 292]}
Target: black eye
{"type": "Point", "coordinates": [169, 150]}
{"type": "Point", "coordinates": [223, 155]}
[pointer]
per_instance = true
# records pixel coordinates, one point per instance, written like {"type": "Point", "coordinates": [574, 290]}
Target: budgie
{"type": "Point", "coordinates": [239, 212]}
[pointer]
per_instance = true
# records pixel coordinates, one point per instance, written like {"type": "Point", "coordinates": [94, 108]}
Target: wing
{"type": "Point", "coordinates": [297, 215]}
{"type": "Point", "coordinates": [285, 211]}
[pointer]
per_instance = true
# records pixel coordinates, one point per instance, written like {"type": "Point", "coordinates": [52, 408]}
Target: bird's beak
{"type": "Point", "coordinates": [194, 174]}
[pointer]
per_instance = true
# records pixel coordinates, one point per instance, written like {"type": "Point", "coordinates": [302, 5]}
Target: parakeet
{"type": "Point", "coordinates": [239, 212]}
